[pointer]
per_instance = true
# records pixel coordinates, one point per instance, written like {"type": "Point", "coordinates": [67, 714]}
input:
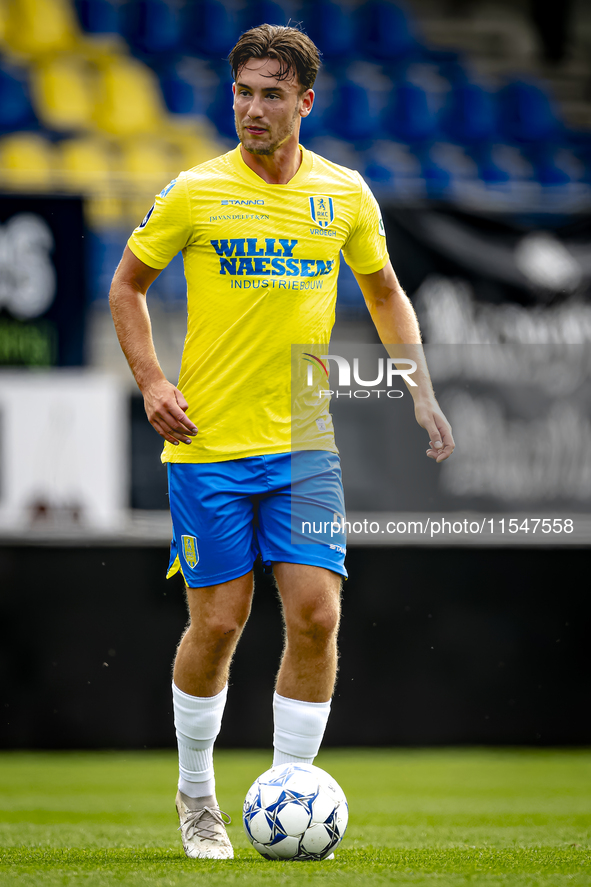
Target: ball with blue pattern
{"type": "Point", "coordinates": [295, 811]}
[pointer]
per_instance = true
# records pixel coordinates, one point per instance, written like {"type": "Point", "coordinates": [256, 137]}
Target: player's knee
{"type": "Point", "coordinates": [318, 622]}
{"type": "Point", "coordinates": [221, 628]}
{"type": "Point", "coordinates": [326, 620]}
{"type": "Point", "coordinates": [226, 627]}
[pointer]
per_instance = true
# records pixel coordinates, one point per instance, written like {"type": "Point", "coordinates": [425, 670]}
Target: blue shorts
{"type": "Point", "coordinates": [287, 507]}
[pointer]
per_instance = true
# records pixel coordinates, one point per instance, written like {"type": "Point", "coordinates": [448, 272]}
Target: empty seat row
{"type": "Point", "coordinates": [122, 96]}
{"type": "Point", "coordinates": [85, 114]}
{"type": "Point", "coordinates": [93, 165]}
{"type": "Point", "coordinates": [355, 108]}
{"type": "Point", "coordinates": [379, 29]}
{"type": "Point", "coordinates": [467, 113]}
{"type": "Point", "coordinates": [67, 92]}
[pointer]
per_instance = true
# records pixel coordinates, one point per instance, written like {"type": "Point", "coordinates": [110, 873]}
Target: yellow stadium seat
{"type": "Point", "coordinates": [3, 18]}
{"type": "Point", "coordinates": [129, 98]}
{"type": "Point", "coordinates": [63, 91]}
{"type": "Point", "coordinates": [36, 27]}
{"type": "Point", "coordinates": [86, 164]}
{"type": "Point", "coordinates": [27, 162]}
{"type": "Point", "coordinates": [147, 164]}
{"type": "Point", "coordinates": [194, 144]}
{"type": "Point", "coordinates": [87, 168]}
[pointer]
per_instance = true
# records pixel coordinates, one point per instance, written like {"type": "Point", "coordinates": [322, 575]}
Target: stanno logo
{"type": "Point", "coordinates": [322, 211]}
{"type": "Point", "coordinates": [243, 202]}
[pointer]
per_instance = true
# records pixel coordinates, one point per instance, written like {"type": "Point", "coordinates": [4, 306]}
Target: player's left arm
{"type": "Point", "coordinates": [398, 329]}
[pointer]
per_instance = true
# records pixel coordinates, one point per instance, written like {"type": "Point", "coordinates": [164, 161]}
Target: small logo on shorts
{"type": "Point", "coordinates": [190, 550]}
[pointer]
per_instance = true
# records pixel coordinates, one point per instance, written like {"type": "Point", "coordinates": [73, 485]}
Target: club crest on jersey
{"type": "Point", "coordinates": [190, 550]}
{"type": "Point", "coordinates": [322, 211]}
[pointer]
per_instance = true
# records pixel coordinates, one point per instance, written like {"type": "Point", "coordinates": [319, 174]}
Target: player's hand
{"type": "Point", "coordinates": [165, 409]}
{"type": "Point", "coordinates": [441, 442]}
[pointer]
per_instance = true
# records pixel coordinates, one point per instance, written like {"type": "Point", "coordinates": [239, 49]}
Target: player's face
{"type": "Point", "coordinates": [267, 110]}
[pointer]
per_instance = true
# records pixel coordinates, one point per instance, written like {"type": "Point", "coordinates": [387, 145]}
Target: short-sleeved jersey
{"type": "Point", "coordinates": [261, 263]}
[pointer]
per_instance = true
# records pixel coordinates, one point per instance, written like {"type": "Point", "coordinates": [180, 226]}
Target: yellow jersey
{"type": "Point", "coordinates": [261, 263]}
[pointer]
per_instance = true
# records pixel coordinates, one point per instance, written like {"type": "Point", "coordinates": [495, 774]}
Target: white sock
{"type": "Point", "coordinates": [197, 720]}
{"type": "Point", "coordinates": [299, 728]}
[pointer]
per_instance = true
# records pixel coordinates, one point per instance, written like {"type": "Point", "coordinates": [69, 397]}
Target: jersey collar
{"type": "Point", "coordinates": [250, 175]}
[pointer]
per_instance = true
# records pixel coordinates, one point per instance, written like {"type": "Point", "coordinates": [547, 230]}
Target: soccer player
{"type": "Point", "coordinates": [260, 229]}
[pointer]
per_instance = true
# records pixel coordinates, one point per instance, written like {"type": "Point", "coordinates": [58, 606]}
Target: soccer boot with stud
{"type": "Point", "coordinates": [203, 829]}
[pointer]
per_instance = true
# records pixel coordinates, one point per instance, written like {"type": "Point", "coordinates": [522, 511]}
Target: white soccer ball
{"type": "Point", "coordinates": [295, 811]}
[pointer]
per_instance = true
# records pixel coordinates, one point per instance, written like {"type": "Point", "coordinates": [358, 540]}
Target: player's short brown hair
{"type": "Point", "coordinates": [293, 49]}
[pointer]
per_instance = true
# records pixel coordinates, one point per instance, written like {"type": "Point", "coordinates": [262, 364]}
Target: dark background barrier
{"type": "Point", "coordinates": [437, 646]}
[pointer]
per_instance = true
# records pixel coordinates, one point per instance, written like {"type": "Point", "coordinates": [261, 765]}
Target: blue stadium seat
{"type": "Point", "coordinates": [324, 97]}
{"type": "Point", "coordinates": [180, 96]}
{"type": "Point", "coordinates": [437, 178]}
{"type": "Point", "coordinates": [547, 169]}
{"type": "Point", "coordinates": [331, 27]}
{"type": "Point", "coordinates": [350, 116]}
{"type": "Point", "coordinates": [377, 173]}
{"type": "Point", "coordinates": [580, 144]}
{"type": "Point", "coordinates": [98, 16]}
{"type": "Point", "coordinates": [488, 170]}
{"type": "Point", "coordinates": [220, 110]}
{"type": "Point", "coordinates": [385, 31]}
{"type": "Point", "coordinates": [264, 12]}
{"type": "Point", "coordinates": [16, 111]}
{"type": "Point", "coordinates": [547, 173]}
{"type": "Point", "coordinates": [469, 115]}
{"type": "Point", "coordinates": [151, 26]}
{"type": "Point", "coordinates": [350, 301]}
{"type": "Point", "coordinates": [189, 85]}
{"type": "Point", "coordinates": [526, 114]}
{"type": "Point", "coordinates": [210, 28]}
{"type": "Point", "coordinates": [391, 167]}
{"type": "Point", "coordinates": [408, 116]}
{"type": "Point", "coordinates": [103, 253]}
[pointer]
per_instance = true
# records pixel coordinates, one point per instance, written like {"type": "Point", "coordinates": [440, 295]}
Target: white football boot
{"type": "Point", "coordinates": [203, 830]}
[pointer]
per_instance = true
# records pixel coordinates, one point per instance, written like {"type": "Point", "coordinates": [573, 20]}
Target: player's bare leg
{"type": "Point", "coordinates": [311, 610]}
{"type": "Point", "coordinates": [218, 614]}
{"type": "Point", "coordinates": [301, 704]}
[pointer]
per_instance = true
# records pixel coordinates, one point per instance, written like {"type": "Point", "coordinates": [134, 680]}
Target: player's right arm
{"type": "Point", "coordinates": [164, 403]}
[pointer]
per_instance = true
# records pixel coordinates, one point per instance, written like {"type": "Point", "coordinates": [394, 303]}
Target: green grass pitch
{"type": "Point", "coordinates": [428, 817]}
